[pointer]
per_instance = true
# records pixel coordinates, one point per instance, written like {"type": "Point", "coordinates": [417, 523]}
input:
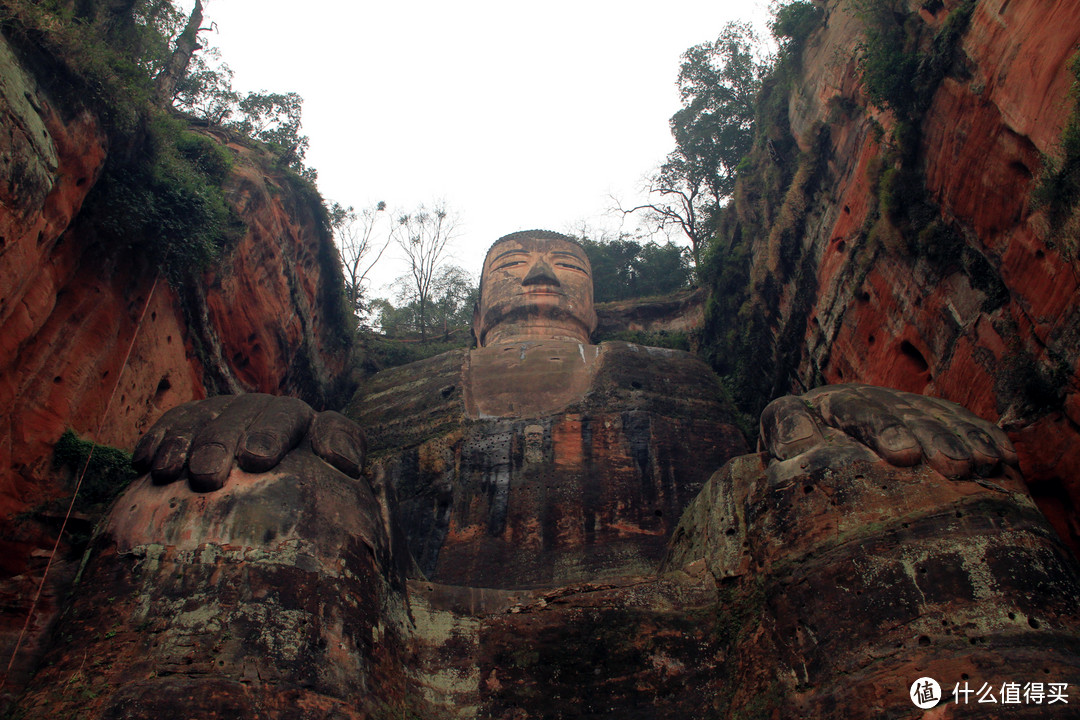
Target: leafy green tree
{"type": "Point", "coordinates": [455, 293]}
{"type": "Point", "coordinates": [625, 268]}
{"type": "Point", "coordinates": [274, 118]}
{"type": "Point", "coordinates": [206, 92]}
{"type": "Point", "coordinates": [718, 84]}
{"type": "Point", "coordinates": [394, 322]}
{"type": "Point", "coordinates": [662, 269]}
{"type": "Point", "coordinates": [448, 310]}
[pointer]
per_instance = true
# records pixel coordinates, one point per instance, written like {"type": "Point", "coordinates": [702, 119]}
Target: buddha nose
{"type": "Point", "coordinates": [541, 274]}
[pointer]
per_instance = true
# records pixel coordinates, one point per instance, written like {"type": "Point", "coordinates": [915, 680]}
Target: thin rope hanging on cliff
{"type": "Point", "coordinates": [78, 485]}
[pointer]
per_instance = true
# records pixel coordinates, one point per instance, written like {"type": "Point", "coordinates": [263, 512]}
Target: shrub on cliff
{"type": "Point", "coordinates": [161, 190]}
{"type": "Point", "coordinates": [167, 197]}
{"type": "Point", "coordinates": [109, 470]}
{"type": "Point", "coordinates": [1058, 189]}
{"type": "Point", "coordinates": [793, 23]}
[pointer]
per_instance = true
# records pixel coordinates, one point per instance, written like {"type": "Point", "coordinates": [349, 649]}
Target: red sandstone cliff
{"type": "Point", "coordinates": [980, 328]}
{"type": "Point", "coordinates": [69, 309]}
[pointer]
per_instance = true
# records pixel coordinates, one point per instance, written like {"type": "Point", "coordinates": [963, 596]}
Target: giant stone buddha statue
{"type": "Point", "coordinates": [529, 530]}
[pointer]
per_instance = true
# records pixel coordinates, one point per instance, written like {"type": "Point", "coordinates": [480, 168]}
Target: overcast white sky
{"type": "Point", "coordinates": [518, 115]}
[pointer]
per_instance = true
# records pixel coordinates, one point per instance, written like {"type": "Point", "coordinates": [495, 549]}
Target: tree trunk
{"type": "Point", "coordinates": [175, 69]}
{"type": "Point", "coordinates": [423, 320]}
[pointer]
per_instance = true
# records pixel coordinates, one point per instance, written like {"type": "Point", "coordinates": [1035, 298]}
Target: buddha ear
{"type": "Point", "coordinates": [475, 330]}
{"type": "Point", "coordinates": [593, 320]}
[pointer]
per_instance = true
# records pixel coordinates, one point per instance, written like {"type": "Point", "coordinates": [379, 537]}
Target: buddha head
{"type": "Point", "coordinates": [536, 285]}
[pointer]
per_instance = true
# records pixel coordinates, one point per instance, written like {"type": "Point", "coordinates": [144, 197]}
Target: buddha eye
{"type": "Point", "coordinates": [570, 266]}
{"type": "Point", "coordinates": [510, 264]}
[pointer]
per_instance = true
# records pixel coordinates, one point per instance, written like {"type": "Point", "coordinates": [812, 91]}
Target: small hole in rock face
{"type": "Point", "coordinates": [808, 489]}
{"type": "Point", "coordinates": [731, 531]}
{"type": "Point", "coordinates": [57, 380]}
{"type": "Point", "coordinates": [658, 513]}
{"type": "Point", "coordinates": [1040, 254]}
{"type": "Point", "coordinates": [80, 182]}
{"type": "Point", "coordinates": [1012, 616]}
{"type": "Point", "coordinates": [841, 246]}
{"type": "Point", "coordinates": [847, 210]}
{"type": "Point", "coordinates": [965, 676]}
{"type": "Point", "coordinates": [153, 316]}
{"type": "Point", "coordinates": [916, 358]}
{"type": "Point", "coordinates": [636, 385]}
{"type": "Point", "coordinates": [864, 296]}
{"type": "Point", "coordinates": [871, 340]}
{"type": "Point", "coordinates": [924, 640]}
{"type": "Point", "coordinates": [1033, 623]}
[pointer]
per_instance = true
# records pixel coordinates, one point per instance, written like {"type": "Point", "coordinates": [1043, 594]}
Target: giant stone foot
{"type": "Point", "coordinates": [880, 538]}
{"type": "Point", "coordinates": [272, 593]}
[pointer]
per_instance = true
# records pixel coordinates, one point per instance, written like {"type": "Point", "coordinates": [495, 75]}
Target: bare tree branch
{"type": "Point", "coordinates": [355, 237]}
{"type": "Point", "coordinates": [424, 236]}
{"type": "Point", "coordinates": [680, 204]}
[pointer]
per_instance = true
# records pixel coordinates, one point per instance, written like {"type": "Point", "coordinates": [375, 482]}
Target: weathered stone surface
{"type": "Point", "coordinates": [634, 647]}
{"type": "Point", "coordinates": [683, 311]}
{"type": "Point", "coordinates": [277, 596]}
{"type": "Point", "coordinates": [842, 586]}
{"type": "Point", "coordinates": [588, 490]}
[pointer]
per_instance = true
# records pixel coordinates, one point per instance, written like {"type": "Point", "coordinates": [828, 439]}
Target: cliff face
{"type": "Point", "coordinates": [977, 301]}
{"type": "Point", "coordinates": [70, 307]}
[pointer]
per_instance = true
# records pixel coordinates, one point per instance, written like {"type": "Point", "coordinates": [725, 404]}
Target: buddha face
{"type": "Point", "coordinates": [535, 285]}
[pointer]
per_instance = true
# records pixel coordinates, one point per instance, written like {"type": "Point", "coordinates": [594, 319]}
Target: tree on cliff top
{"type": "Point", "coordinates": [624, 267]}
{"type": "Point", "coordinates": [714, 130]}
